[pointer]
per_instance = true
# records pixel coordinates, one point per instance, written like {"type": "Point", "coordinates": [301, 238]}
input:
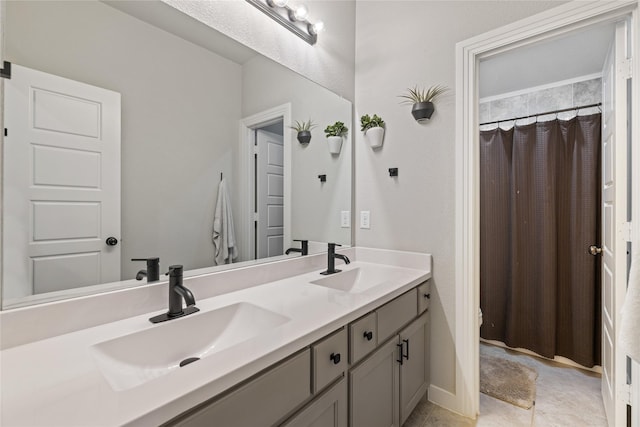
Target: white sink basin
{"type": "Point", "coordinates": [360, 279]}
{"type": "Point", "coordinates": [134, 359]}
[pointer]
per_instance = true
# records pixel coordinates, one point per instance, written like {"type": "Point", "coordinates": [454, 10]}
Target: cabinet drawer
{"type": "Point", "coordinates": [397, 313]}
{"type": "Point", "coordinates": [424, 295]}
{"type": "Point", "coordinates": [329, 359]}
{"type": "Point", "coordinates": [262, 401]}
{"type": "Point", "coordinates": [363, 337]}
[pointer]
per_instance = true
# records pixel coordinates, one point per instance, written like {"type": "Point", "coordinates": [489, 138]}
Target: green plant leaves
{"type": "Point", "coordinates": [416, 94]}
{"type": "Point", "coordinates": [336, 129]}
{"type": "Point", "coordinates": [300, 126]}
{"type": "Point", "coordinates": [367, 122]}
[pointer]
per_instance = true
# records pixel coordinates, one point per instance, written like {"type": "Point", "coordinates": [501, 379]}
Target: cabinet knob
{"type": "Point", "coordinates": [368, 335]}
{"type": "Point", "coordinates": [335, 358]}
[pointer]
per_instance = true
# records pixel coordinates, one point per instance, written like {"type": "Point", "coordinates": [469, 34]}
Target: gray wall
{"type": "Point", "coordinates": [315, 207]}
{"type": "Point", "coordinates": [400, 44]}
{"type": "Point", "coordinates": [180, 106]}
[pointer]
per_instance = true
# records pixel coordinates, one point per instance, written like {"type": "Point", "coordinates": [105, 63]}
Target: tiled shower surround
{"type": "Point", "coordinates": [537, 101]}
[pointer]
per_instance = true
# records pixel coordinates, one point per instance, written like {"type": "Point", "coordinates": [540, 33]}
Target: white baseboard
{"type": "Point", "coordinates": [445, 399]}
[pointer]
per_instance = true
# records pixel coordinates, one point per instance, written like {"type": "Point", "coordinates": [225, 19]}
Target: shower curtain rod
{"type": "Point", "coordinates": [542, 114]}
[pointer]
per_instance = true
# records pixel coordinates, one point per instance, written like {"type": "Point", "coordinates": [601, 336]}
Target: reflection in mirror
{"type": "Point", "coordinates": [123, 118]}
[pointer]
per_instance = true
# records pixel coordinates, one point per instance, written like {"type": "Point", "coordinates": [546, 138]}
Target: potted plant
{"type": "Point", "coordinates": [373, 128]}
{"type": "Point", "coordinates": [304, 130]}
{"type": "Point", "coordinates": [422, 100]}
{"type": "Point", "coordinates": [334, 133]}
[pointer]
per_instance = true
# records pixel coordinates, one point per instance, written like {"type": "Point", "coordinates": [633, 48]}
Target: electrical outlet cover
{"type": "Point", "coordinates": [365, 219]}
{"type": "Point", "coordinates": [345, 219]}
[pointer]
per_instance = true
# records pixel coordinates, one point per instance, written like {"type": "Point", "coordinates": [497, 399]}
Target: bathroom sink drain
{"type": "Point", "coordinates": [188, 360]}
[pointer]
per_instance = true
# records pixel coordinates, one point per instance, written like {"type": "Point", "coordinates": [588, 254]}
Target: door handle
{"type": "Point", "coordinates": [406, 356]}
{"type": "Point", "coordinates": [594, 250]}
{"type": "Point", "coordinates": [111, 241]}
{"type": "Point", "coordinates": [401, 345]}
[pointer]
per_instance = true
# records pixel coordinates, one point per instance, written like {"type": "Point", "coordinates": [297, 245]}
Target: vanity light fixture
{"type": "Point", "coordinates": [293, 18]}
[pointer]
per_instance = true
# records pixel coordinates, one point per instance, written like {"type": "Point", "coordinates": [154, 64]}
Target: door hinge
{"type": "Point", "coordinates": [6, 132]}
{"type": "Point", "coordinates": [625, 231]}
{"type": "Point", "coordinates": [5, 71]}
{"type": "Point", "coordinates": [255, 216]}
{"type": "Point", "coordinates": [625, 394]}
{"type": "Point", "coordinates": [255, 150]}
{"type": "Point", "coordinates": [625, 68]}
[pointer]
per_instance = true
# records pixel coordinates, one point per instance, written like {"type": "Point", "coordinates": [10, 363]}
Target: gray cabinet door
{"type": "Point", "coordinates": [414, 371]}
{"type": "Point", "coordinates": [373, 389]}
{"type": "Point", "coordinates": [327, 410]}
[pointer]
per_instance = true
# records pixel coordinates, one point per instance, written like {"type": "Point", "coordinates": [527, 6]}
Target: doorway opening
{"type": "Point", "coordinates": [545, 26]}
{"type": "Point", "coordinates": [540, 210]}
{"type": "Point", "coordinates": [265, 183]}
{"type": "Point", "coordinates": [268, 190]}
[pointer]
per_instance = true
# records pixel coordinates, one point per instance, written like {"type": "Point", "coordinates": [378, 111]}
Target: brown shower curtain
{"type": "Point", "coordinates": [539, 213]}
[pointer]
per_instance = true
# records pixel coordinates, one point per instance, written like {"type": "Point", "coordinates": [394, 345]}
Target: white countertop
{"type": "Point", "coordinates": [56, 381]}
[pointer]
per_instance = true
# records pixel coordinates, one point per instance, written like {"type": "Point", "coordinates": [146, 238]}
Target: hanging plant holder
{"type": "Point", "coordinates": [304, 136]}
{"type": "Point", "coordinates": [373, 128]}
{"type": "Point", "coordinates": [374, 136]}
{"type": "Point", "coordinates": [422, 101]}
{"type": "Point", "coordinates": [422, 111]}
{"type": "Point", "coordinates": [335, 144]}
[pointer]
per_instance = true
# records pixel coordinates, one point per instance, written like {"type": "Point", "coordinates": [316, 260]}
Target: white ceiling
{"type": "Point", "coordinates": [578, 54]}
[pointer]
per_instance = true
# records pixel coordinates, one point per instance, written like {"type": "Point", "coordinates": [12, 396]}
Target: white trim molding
{"type": "Point", "coordinates": [551, 23]}
{"type": "Point", "coordinates": [245, 175]}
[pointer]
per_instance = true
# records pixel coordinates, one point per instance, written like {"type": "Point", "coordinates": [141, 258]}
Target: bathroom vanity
{"type": "Point", "coordinates": [304, 349]}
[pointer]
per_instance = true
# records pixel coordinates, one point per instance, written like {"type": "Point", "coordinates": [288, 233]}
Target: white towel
{"type": "Point", "coordinates": [630, 323]}
{"type": "Point", "coordinates": [224, 239]}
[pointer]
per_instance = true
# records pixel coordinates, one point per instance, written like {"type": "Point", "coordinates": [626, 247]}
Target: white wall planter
{"type": "Point", "coordinates": [374, 136]}
{"type": "Point", "coordinates": [335, 144]}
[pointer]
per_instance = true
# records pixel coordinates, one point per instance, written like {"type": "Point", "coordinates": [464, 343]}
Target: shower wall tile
{"type": "Point", "coordinates": [514, 106]}
{"type": "Point", "coordinates": [485, 112]}
{"type": "Point", "coordinates": [565, 96]}
{"type": "Point", "coordinates": [552, 99]}
{"type": "Point", "coordinates": [587, 92]}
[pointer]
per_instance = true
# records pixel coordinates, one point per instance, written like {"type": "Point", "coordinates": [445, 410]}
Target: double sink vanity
{"type": "Point", "coordinates": [287, 347]}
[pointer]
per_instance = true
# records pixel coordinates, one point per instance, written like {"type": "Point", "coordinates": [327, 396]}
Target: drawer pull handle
{"type": "Point", "coordinates": [427, 296]}
{"type": "Point", "coordinates": [401, 345]}
{"type": "Point", "coordinates": [368, 335]}
{"type": "Point", "coordinates": [335, 358]}
{"type": "Point", "coordinates": [406, 355]}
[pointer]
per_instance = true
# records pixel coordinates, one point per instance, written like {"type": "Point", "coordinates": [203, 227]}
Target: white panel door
{"type": "Point", "coordinates": [270, 194]}
{"type": "Point", "coordinates": [614, 217]}
{"type": "Point", "coordinates": [61, 184]}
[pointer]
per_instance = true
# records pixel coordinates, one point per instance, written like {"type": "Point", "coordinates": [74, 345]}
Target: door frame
{"type": "Point", "coordinates": [245, 175]}
{"type": "Point", "coordinates": [546, 25]}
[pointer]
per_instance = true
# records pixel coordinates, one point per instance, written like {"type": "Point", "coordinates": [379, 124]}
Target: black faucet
{"type": "Point", "coordinates": [304, 250]}
{"type": "Point", "coordinates": [176, 293]}
{"type": "Point", "coordinates": [331, 259]}
{"type": "Point", "coordinates": [152, 273]}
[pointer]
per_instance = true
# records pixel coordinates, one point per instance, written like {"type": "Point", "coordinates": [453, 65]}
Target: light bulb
{"type": "Point", "coordinates": [280, 3]}
{"type": "Point", "coordinates": [316, 28]}
{"type": "Point", "coordinates": [300, 13]}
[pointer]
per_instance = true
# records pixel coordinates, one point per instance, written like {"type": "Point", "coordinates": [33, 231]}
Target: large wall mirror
{"type": "Point", "coordinates": [123, 118]}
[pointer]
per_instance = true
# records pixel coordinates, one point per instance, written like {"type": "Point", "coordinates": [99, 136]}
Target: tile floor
{"type": "Point", "coordinates": [565, 397]}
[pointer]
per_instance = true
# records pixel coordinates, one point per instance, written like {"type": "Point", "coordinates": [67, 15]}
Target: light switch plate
{"type": "Point", "coordinates": [345, 219]}
{"type": "Point", "coordinates": [365, 219]}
